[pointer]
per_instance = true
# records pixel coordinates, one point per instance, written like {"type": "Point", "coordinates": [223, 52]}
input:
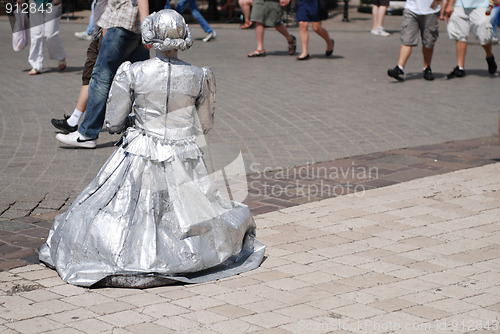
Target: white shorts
{"type": "Point", "coordinates": [466, 20]}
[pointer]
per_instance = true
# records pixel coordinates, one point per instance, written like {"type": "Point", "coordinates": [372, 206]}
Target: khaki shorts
{"type": "Point", "coordinates": [268, 13]}
{"type": "Point", "coordinates": [466, 20]}
{"type": "Point", "coordinates": [427, 26]}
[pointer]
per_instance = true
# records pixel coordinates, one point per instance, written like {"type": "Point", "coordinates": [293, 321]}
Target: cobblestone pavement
{"type": "Point", "coordinates": [415, 257]}
{"type": "Point", "coordinates": [412, 246]}
{"type": "Point", "coordinates": [285, 188]}
{"type": "Point", "coordinates": [276, 111]}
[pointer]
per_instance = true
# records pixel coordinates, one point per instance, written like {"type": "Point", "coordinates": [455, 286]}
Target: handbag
{"type": "Point", "coordinates": [20, 30]}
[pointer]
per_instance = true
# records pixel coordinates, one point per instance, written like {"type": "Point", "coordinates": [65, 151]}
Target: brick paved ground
{"type": "Point", "coordinates": [276, 111]}
{"type": "Point", "coordinates": [422, 253]}
{"type": "Point", "coordinates": [415, 257]}
{"type": "Point", "coordinates": [273, 191]}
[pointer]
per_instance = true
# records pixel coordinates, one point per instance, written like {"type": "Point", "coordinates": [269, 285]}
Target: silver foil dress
{"type": "Point", "coordinates": [153, 215]}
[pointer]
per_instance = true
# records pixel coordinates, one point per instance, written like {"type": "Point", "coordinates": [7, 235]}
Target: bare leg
{"type": "Point", "coordinates": [404, 54]}
{"type": "Point", "coordinates": [487, 48]}
{"type": "Point", "coordinates": [259, 35]}
{"type": "Point", "coordinates": [461, 51]}
{"type": "Point", "coordinates": [81, 104]}
{"type": "Point", "coordinates": [375, 17]}
{"type": "Point", "coordinates": [317, 28]}
{"type": "Point", "coordinates": [282, 30]}
{"type": "Point", "coordinates": [304, 38]}
{"type": "Point", "coordinates": [246, 6]}
{"type": "Point", "coordinates": [427, 56]}
{"type": "Point", "coordinates": [378, 14]}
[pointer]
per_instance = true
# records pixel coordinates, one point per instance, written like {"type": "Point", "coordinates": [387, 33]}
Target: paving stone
{"type": "Point", "coordinates": [125, 318]}
{"type": "Point", "coordinates": [417, 252]}
{"type": "Point", "coordinates": [34, 325]}
{"type": "Point", "coordinates": [91, 326]}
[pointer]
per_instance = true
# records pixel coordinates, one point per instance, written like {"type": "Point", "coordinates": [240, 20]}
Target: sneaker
{"type": "Point", "coordinates": [396, 73]}
{"type": "Point", "coordinates": [492, 65]}
{"type": "Point", "coordinates": [210, 36]}
{"type": "Point", "coordinates": [75, 139]}
{"type": "Point", "coordinates": [83, 35]}
{"type": "Point", "coordinates": [62, 124]}
{"type": "Point", "coordinates": [428, 74]}
{"type": "Point", "coordinates": [457, 72]}
{"type": "Point", "coordinates": [380, 32]}
{"type": "Point", "coordinates": [494, 40]}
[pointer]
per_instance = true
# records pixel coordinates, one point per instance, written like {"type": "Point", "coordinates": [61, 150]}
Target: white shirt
{"type": "Point", "coordinates": [421, 7]}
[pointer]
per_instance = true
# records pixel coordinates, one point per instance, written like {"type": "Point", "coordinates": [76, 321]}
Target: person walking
{"type": "Point", "coordinates": [246, 9]}
{"type": "Point", "coordinates": [309, 11]}
{"type": "Point", "coordinates": [379, 9]}
{"type": "Point", "coordinates": [195, 11]}
{"type": "Point", "coordinates": [465, 16]}
{"type": "Point", "coordinates": [268, 13]}
{"type": "Point", "coordinates": [419, 17]}
{"type": "Point", "coordinates": [121, 41]}
{"type": "Point", "coordinates": [44, 28]}
{"type": "Point", "coordinates": [87, 34]}
{"type": "Point", "coordinates": [70, 123]}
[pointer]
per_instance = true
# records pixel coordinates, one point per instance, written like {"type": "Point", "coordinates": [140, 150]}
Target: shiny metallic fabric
{"type": "Point", "coordinates": [166, 30]}
{"type": "Point", "coordinates": [153, 215]}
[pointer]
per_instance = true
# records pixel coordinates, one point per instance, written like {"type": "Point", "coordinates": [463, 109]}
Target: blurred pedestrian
{"type": "Point", "coordinates": [193, 6]}
{"type": "Point", "coordinates": [45, 18]}
{"type": "Point", "coordinates": [268, 13]}
{"type": "Point", "coordinates": [70, 123]}
{"type": "Point", "coordinates": [246, 8]}
{"type": "Point", "coordinates": [495, 11]}
{"type": "Point", "coordinates": [464, 17]}
{"type": "Point", "coordinates": [87, 34]}
{"type": "Point", "coordinates": [309, 11]}
{"type": "Point", "coordinates": [379, 9]}
{"type": "Point", "coordinates": [121, 41]}
{"type": "Point", "coordinates": [419, 17]}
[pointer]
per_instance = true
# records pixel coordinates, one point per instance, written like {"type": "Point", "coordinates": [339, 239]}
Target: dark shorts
{"type": "Point", "coordinates": [380, 3]}
{"type": "Point", "coordinates": [92, 52]}
{"type": "Point", "coordinates": [268, 13]}
{"type": "Point", "coordinates": [427, 26]}
{"type": "Point", "coordinates": [308, 11]}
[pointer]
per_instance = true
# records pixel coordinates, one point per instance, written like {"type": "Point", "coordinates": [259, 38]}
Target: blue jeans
{"type": "Point", "coordinates": [494, 19]}
{"type": "Point", "coordinates": [183, 4]}
{"type": "Point", "coordinates": [90, 27]}
{"type": "Point", "coordinates": [117, 46]}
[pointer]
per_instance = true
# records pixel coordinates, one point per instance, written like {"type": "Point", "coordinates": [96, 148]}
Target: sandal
{"type": "Point", "coordinates": [292, 46]}
{"type": "Point", "coordinates": [34, 72]}
{"type": "Point", "coordinates": [62, 65]}
{"type": "Point", "coordinates": [247, 25]}
{"type": "Point", "coordinates": [257, 53]}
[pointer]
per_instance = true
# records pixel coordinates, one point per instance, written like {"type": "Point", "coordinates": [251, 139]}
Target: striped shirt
{"type": "Point", "coordinates": [122, 14]}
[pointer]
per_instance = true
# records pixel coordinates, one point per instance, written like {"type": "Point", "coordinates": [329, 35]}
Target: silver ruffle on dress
{"type": "Point", "coordinates": [153, 215]}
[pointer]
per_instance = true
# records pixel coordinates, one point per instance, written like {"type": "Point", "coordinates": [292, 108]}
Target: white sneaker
{"type": "Point", "coordinates": [380, 32]}
{"type": "Point", "coordinates": [494, 40]}
{"type": "Point", "coordinates": [210, 36]}
{"type": "Point", "coordinates": [83, 35]}
{"type": "Point", "coordinates": [75, 139]}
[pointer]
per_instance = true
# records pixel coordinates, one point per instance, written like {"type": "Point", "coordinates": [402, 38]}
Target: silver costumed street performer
{"type": "Point", "coordinates": [153, 215]}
